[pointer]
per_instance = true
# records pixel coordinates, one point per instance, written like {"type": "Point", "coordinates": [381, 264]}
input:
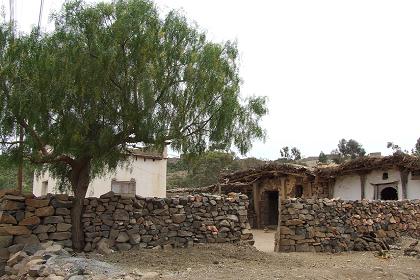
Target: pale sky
{"type": "Point", "coordinates": [330, 69]}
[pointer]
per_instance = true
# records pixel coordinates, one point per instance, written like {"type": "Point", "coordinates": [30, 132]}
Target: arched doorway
{"type": "Point", "coordinates": [389, 193]}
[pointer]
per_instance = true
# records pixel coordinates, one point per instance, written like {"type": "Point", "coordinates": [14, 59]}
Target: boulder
{"type": "Point", "coordinates": [122, 237]}
{"type": "Point", "coordinates": [63, 227]}
{"type": "Point", "coordinates": [30, 221]}
{"type": "Point", "coordinates": [53, 220]}
{"type": "Point", "coordinates": [103, 247]}
{"type": "Point", "coordinates": [60, 235]}
{"type": "Point", "coordinates": [6, 218]}
{"type": "Point", "coordinates": [178, 218]}
{"type": "Point", "coordinates": [26, 239]}
{"type": "Point", "coordinates": [6, 241]}
{"type": "Point", "coordinates": [44, 211]}
{"type": "Point", "coordinates": [15, 230]}
{"type": "Point", "coordinates": [37, 203]}
{"type": "Point", "coordinates": [12, 205]}
{"type": "Point", "coordinates": [120, 215]}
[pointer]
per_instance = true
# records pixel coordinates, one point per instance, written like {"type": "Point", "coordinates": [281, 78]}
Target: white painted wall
{"type": "Point", "coordinates": [150, 176]}
{"type": "Point", "coordinates": [348, 187]}
{"type": "Point", "coordinates": [413, 188]}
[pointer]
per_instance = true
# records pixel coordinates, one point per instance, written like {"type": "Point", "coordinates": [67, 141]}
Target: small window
{"type": "Point", "coordinates": [298, 191]}
{"type": "Point", "coordinates": [123, 187]}
{"type": "Point", "coordinates": [385, 176]}
{"type": "Point", "coordinates": [415, 175]}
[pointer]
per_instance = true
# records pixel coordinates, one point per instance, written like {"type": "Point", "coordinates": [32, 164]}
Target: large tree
{"type": "Point", "coordinates": [110, 75]}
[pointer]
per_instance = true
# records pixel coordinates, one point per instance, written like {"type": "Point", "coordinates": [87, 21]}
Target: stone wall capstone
{"type": "Point", "coordinates": [123, 221]}
{"type": "Point", "coordinates": [324, 225]}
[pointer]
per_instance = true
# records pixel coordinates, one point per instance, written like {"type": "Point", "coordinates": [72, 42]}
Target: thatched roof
{"type": "Point", "coordinates": [368, 163]}
{"type": "Point", "coordinates": [247, 177]}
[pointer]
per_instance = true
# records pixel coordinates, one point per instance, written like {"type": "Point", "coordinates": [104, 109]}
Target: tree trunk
{"type": "Point", "coordinates": [20, 168]}
{"type": "Point", "coordinates": [80, 181]}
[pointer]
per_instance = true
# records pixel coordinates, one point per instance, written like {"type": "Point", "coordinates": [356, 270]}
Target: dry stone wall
{"type": "Point", "coordinates": [123, 222]}
{"type": "Point", "coordinates": [324, 225]}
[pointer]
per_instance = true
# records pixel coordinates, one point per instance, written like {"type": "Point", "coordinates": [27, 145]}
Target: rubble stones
{"type": "Point", "coordinates": [329, 225]}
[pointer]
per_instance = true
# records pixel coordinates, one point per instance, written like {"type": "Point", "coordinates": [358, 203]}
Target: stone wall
{"type": "Point", "coordinates": [323, 225]}
{"type": "Point", "coordinates": [123, 222]}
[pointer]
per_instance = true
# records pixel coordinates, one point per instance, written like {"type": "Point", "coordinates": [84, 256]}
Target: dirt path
{"type": "Point", "coordinates": [264, 240]}
{"type": "Point", "coordinates": [233, 261]}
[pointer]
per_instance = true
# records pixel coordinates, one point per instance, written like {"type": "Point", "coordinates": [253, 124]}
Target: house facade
{"type": "Point", "coordinates": [143, 174]}
{"type": "Point", "coordinates": [395, 177]}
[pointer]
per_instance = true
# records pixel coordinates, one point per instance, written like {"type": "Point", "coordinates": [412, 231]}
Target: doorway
{"type": "Point", "coordinates": [389, 193]}
{"type": "Point", "coordinates": [271, 208]}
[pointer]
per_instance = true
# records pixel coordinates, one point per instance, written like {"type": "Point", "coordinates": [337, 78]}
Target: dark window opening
{"type": "Point", "coordinates": [298, 191]}
{"type": "Point", "coordinates": [385, 176]}
{"type": "Point", "coordinates": [389, 193]}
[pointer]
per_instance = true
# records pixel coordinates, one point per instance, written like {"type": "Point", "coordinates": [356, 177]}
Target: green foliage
{"type": "Point", "coordinates": [350, 149]}
{"type": "Point", "coordinates": [322, 158]}
{"type": "Point", "coordinates": [115, 74]}
{"type": "Point", "coordinates": [204, 170]}
{"type": "Point", "coordinates": [8, 174]}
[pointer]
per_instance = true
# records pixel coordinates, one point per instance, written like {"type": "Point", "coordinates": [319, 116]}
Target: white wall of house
{"type": "Point", "coordinates": [413, 188]}
{"type": "Point", "coordinates": [348, 187]}
{"type": "Point", "coordinates": [149, 175]}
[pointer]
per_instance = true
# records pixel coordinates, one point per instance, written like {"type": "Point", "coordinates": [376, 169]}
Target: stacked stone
{"type": "Point", "coordinates": [325, 225]}
{"type": "Point", "coordinates": [125, 221]}
{"type": "Point", "coordinates": [27, 220]}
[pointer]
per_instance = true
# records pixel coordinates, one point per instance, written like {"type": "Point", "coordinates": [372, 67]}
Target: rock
{"type": "Point", "coordinates": [37, 203]}
{"type": "Point", "coordinates": [26, 239]}
{"type": "Point", "coordinates": [53, 220]}
{"type": "Point", "coordinates": [12, 205]}
{"type": "Point", "coordinates": [14, 197]}
{"type": "Point", "coordinates": [6, 218]}
{"type": "Point", "coordinates": [135, 238]}
{"type": "Point", "coordinates": [59, 235]}
{"type": "Point", "coordinates": [43, 229]}
{"type": "Point", "coordinates": [103, 247]}
{"type": "Point", "coordinates": [16, 258]}
{"type": "Point", "coordinates": [62, 211]}
{"type": "Point", "coordinates": [15, 230]}
{"type": "Point", "coordinates": [30, 221]}
{"type": "Point", "coordinates": [58, 203]}
{"type": "Point", "coordinates": [120, 215]}
{"type": "Point", "coordinates": [122, 237]}
{"type": "Point", "coordinates": [63, 227]}
{"type": "Point", "coordinates": [36, 270]}
{"type": "Point", "coordinates": [178, 218]}
{"type": "Point", "coordinates": [44, 211]}
{"type": "Point", "coordinates": [5, 241]}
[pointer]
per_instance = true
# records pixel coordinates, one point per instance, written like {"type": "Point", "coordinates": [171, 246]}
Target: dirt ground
{"type": "Point", "coordinates": [235, 261]}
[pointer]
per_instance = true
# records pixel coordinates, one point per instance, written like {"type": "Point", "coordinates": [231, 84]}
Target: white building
{"type": "Point", "coordinates": [395, 177]}
{"type": "Point", "coordinates": [143, 174]}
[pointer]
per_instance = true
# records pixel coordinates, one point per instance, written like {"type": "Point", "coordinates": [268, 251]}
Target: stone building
{"type": "Point", "coordinates": [266, 184]}
{"type": "Point", "coordinates": [144, 174]}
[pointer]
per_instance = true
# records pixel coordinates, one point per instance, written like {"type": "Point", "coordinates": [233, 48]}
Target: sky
{"type": "Point", "coordinates": [330, 69]}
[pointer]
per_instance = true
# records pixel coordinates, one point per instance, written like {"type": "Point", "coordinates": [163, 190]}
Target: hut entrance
{"type": "Point", "coordinates": [389, 193]}
{"type": "Point", "coordinates": [271, 211]}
